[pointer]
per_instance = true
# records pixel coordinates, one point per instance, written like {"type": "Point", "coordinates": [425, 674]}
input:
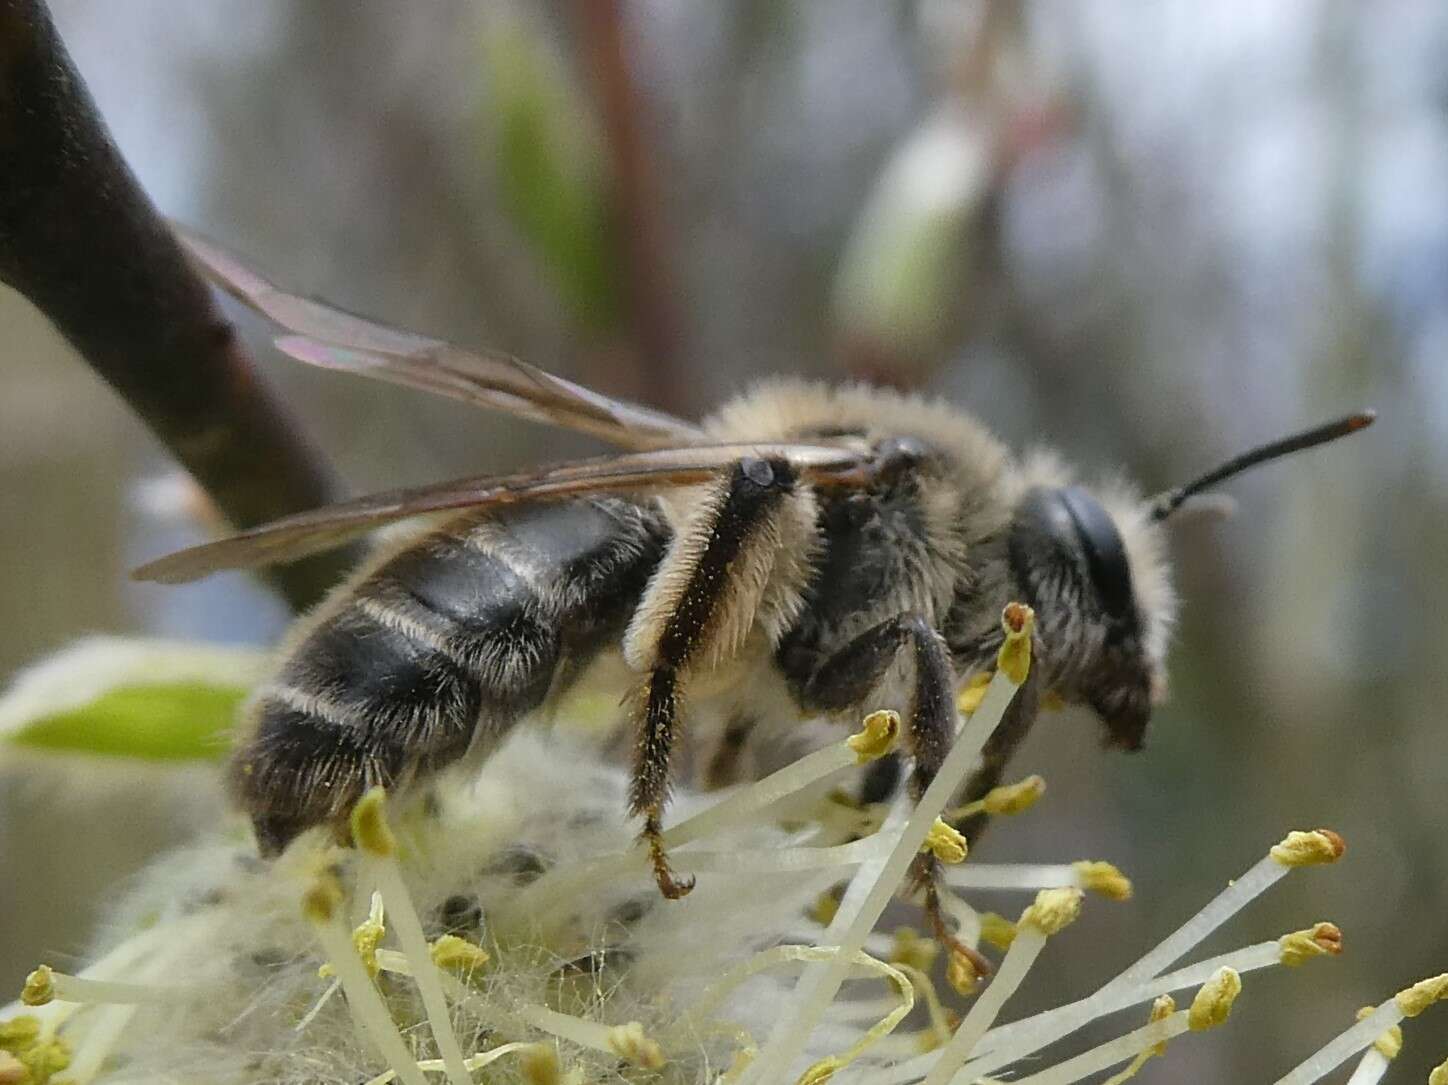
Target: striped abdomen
{"type": "Point", "coordinates": [434, 648]}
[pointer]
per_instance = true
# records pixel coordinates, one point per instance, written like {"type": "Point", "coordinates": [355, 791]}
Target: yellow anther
{"type": "Point", "coordinates": [366, 938]}
{"type": "Point", "coordinates": [1310, 848]}
{"type": "Point", "coordinates": [39, 987]}
{"type": "Point", "coordinates": [876, 737]}
{"type": "Point", "coordinates": [539, 1064]}
{"type": "Point", "coordinates": [1299, 947]}
{"type": "Point", "coordinates": [821, 1071]}
{"type": "Point", "coordinates": [997, 930]}
{"type": "Point", "coordinates": [1161, 1009]}
{"type": "Point", "coordinates": [45, 1059]}
{"type": "Point", "coordinates": [1015, 798]}
{"type": "Point", "coordinates": [969, 698]}
{"type": "Point", "coordinates": [825, 907]}
{"type": "Point", "coordinates": [370, 830]}
{"type": "Point", "coordinates": [1053, 910]}
{"type": "Point", "coordinates": [1014, 658]}
{"type": "Point", "coordinates": [1420, 996]}
{"type": "Point", "coordinates": [454, 954]}
{"type": "Point", "coordinates": [1213, 1003]}
{"type": "Point", "coordinates": [1390, 1043]}
{"type": "Point", "coordinates": [19, 1032]}
{"type": "Point", "coordinates": [26, 1059]}
{"type": "Point", "coordinates": [631, 1043]}
{"type": "Point", "coordinates": [945, 843]}
{"type": "Point", "coordinates": [961, 974]}
{"type": "Point", "coordinates": [913, 949]}
{"type": "Point", "coordinates": [322, 899]}
{"type": "Point", "coordinates": [1439, 1074]}
{"type": "Point", "coordinates": [1103, 878]}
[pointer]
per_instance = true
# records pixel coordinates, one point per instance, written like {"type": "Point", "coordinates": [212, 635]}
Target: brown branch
{"type": "Point", "coordinates": [80, 239]}
{"type": "Point", "coordinates": [653, 316]}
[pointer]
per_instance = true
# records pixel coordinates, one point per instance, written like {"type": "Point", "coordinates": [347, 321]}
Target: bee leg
{"type": "Point", "coordinates": [651, 775]}
{"type": "Point", "coordinates": [693, 603]}
{"type": "Point", "coordinates": [997, 753]}
{"type": "Point", "coordinates": [846, 679]}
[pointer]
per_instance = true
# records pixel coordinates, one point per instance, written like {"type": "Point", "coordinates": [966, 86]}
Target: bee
{"type": "Point", "coordinates": [806, 551]}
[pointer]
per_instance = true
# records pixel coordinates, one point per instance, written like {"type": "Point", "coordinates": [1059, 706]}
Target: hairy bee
{"type": "Point", "coordinates": [805, 551]}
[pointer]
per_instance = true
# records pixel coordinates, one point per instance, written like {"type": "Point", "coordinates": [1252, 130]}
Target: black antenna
{"type": "Point", "coordinates": [1164, 504]}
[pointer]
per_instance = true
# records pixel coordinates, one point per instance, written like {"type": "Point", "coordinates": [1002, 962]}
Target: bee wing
{"type": "Point", "coordinates": [333, 339]}
{"type": "Point", "coordinates": [321, 529]}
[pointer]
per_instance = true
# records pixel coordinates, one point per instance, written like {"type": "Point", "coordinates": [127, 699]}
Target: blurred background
{"type": "Point", "coordinates": [1148, 234]}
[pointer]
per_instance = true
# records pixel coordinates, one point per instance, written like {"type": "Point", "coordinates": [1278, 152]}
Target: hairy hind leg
{"type": "Point", "coordinates": [695, 611]}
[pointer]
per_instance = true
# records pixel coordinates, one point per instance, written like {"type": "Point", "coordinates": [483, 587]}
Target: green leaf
{"type": "Point", "coordinates": [182, 722]}
{"type": "Point", "coordinates": [141, 699]}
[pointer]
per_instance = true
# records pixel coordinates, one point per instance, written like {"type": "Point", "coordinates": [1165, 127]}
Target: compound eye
{"type": "Point", "coordinates": [1104, 550]}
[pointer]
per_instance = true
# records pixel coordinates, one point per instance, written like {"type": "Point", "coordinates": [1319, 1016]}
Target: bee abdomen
{"type": "Point", "coordinates": [443, 645]}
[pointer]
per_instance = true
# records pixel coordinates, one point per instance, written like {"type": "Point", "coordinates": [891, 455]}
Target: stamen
{"type": "Point", "coordinates": [454, 954]}
{"type": "Point", "coordinates": [972, 693]}
{"type": "Point", "coordinates": [945, 843]}
{"type": "Point", "coordinates": [1161, 1009]}
{"type": "Point", "coordinates": [539, 1063]}
{"type": "Point", "coordinates": [1014, 798]}
{"type": "Point", "coordinates": [877, 737]}
{"type": "Point", "coordinates": [1013, 1042]}
{"type": "Point", "coordinates": [783, 860]}
{"type": "Point", "coordinates": [1149, 1037]}
{"type": "Point", "coordinates": [745, 804]}
{"type": "Point", "coordinates": [1051, 912]}
{"type": "Point", "coordinates": [1097, 877]}
{"type": "Point", "coordinates": [378, 846]}
{"type": "Point", "coordinates": [997, 931]}
{"type": "Point", "coordinates": [1214, 1001]}
{"type": "Point", "coordinates": [1004, 801]}
{"type": "Point", "coordinates": [626, 1041]}
{"type": "Point", "coordinates": [1309, 848]}
{"type": "Point", "coordinates": [630, 1043]}
{"type": "Point", "coordinates": [96, 1044]}
{"type": "Point", "coordinates": [1330, 1056]}
{"type": "Point", "coordinates": [913, 950]}
{"type": "Point", "coordinates": [39, 987]}
{"type": "Point", "coordinates": [858, 915]}
{"type": "Point", "coordinates": [45, 985]}
{"type": "Point", "coordinates": [1299, 947]}
{"type": "Point", "coordinates": [474, 1062]}
{"type": "Point", "coordinates": [321, 904]}
{"type": "Point", "coordinates": [1376, 1060]}
{"type": "Point", "coordinates": [1103, 878]}
{"type": "Point", "coordinates": [940, 1023]}
{"type": "Point", "coordinates": [962, 973]}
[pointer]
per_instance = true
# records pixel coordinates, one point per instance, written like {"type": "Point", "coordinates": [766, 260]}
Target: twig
{"type": "Point", "coordinates": [80, 239]}
{"type": "Point", "coordinates": [653, 316]}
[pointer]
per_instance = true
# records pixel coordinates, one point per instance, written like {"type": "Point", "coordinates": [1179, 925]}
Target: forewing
{"type": "Point", "coordinates": [321, 529]}
{"type": "Point", "coordinates": [333, 339]}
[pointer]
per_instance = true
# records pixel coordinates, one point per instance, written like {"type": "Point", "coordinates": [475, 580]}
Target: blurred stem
{"type": "Point", "coordinates": [81, 241]}
{"type": "Point", "coordinates": [652, 313]}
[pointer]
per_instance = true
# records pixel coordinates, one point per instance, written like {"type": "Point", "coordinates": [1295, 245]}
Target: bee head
{"type": "Point", "coordinates": [1093, 569]}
